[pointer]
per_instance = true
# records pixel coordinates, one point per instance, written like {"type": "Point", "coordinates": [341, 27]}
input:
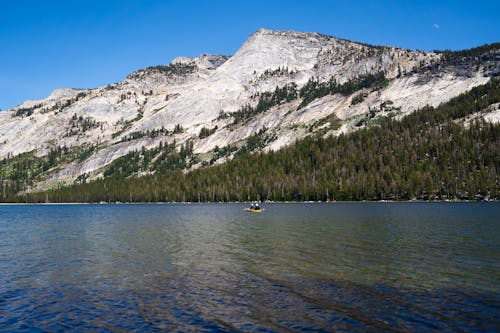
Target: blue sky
{"type": "Point", "coordinates": [47, 44]}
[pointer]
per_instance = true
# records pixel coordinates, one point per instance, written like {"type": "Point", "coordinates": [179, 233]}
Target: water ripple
{"type": "Point", "coordinates": [191, 268]}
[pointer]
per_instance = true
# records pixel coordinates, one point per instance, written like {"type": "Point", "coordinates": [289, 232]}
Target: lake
{"type": "Point", "coordinates": [346, 267]}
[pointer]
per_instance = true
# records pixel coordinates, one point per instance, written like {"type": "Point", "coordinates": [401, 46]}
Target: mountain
{"type": "Point", "coordinates": [279, 86]}
{"type": "Point", "coordinates": [444, 153]}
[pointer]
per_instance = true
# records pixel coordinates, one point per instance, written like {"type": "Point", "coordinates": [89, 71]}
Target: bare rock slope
{"type": "Point", "coordinates": [284, 83]}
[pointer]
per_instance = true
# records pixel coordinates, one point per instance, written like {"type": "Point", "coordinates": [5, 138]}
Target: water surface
{"type": "Point", "coordinates": [296, 267]}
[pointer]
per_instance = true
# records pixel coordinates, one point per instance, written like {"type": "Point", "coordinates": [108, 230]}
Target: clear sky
{"type": "Point", "coordinates": [47, 44]}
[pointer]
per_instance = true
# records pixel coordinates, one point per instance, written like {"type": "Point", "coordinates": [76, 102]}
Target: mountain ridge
{"type": "Point", "coordinates": [210, 92]}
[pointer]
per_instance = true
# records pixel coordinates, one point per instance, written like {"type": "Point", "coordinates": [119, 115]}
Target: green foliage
{"type": "Point", "coordinates": [81, 95]}
{"type": "Point", "coordinates": [206, 132]}
{"type": "Point", "coordinates": [266, 101]}
{"type": "Point", "coordinates": [178, 129]}
{"type": "Point", "coordinates": [466, 62]}
{"type": "Point", "coordinates": [157, 132]}
{"type": "Point", "coordinates": [83, 152]}
{"type": "Point", "coordinates": [358, 98]}
{"type": "Point", "coordinates": [124, 166]}
{"type": "Point", "coordinates": [161, 159]}
{"type": "Point", "coordinates": [257, 141]}
{"type": "Point", "coordinates": [82, 178]}
{"type": "Point", "coordinates": [177, 69]}
{"type": "Point", "coordinates": [62, 154]}
{"type": "Point", "coordinates": [455, 56]}
{"type": "Point", "coordinates": [23, 168]}
{"type": "Point", "coordinates": [139, 116]}
{"type": "Point", "coordinates": [376, 116]}
{"type": "Point", "coordinates": [223, 115]}
{"type": "Point", "coordinates": [58, 106]}
{"type": "Point", "coordinates": [280, 71]}
{"type": "Point", "coordinates": [314, 89]}
{"type": "Point", "coordinates": [149, 133]}
{"type": "Point", "coordinates": [79, 124]}
{"type": "Point", "coordinates": [134, 136]}
{"type": "Point", "coordinates": [125, 125]}
{"type": "Point", "coordinates": [330, 122]}
{"type": "Point", "coordinates": [26, 112]}
{"type": "Point", "coordinates": [222, 152]}
{"type": "Point", "coordinates": [170, 159]}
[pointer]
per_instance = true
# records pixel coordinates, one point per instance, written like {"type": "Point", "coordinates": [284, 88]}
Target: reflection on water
{"type": "Point", "coordinates": [316, 267]}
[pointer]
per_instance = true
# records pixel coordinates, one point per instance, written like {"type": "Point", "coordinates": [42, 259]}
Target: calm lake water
{"type": "Point", "coordinates": [377, 267]}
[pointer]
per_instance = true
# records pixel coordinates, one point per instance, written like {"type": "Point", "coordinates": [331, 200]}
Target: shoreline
{"type": "Point", "coordinates": [240, 202]}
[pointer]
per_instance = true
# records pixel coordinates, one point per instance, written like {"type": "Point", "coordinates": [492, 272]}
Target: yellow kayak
{"type": "Point", "coordinates": [253, 210]}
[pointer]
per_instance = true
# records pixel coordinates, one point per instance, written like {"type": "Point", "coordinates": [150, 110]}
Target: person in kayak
{"type": "Point", "coordinates": [254, 207]}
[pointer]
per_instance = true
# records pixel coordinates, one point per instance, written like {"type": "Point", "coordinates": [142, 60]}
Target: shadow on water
{"type": "Point", "coordinates": [296, 267]}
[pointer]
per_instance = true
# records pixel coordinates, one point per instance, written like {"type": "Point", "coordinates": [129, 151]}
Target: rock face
{"type": "Point", "coordinates": [152, 105]}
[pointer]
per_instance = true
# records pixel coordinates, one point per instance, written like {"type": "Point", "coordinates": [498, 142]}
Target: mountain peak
{"type": "Point", "coordinates": [273, 32]}
{"type": "Point", "coordinates": [268, 49]}
{"type": "Point", "coordinates": [264, 32]}
{"type": "Point", "coordinates": [64, 92]}
{"type": "Point", "coordinates": [203, 61]}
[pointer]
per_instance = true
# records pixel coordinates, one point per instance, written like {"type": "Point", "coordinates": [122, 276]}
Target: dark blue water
{"type": "Point", "coordinates": [353, 267]}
